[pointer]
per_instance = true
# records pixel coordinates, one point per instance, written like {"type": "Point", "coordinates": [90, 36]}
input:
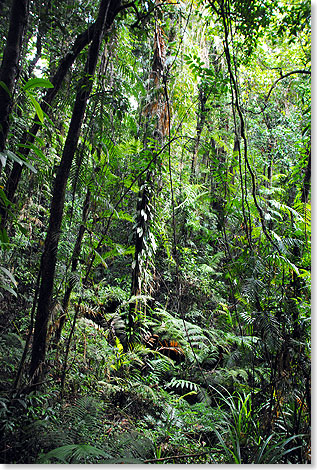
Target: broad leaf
{"type": "Point", "coordinates": [37, 83]}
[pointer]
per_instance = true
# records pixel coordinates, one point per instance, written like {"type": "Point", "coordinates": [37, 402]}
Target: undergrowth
{"type": "Point", "coordinates": [171, 398]}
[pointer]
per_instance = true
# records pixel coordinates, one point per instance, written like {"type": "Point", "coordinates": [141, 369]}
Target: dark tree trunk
{"type": "Point", "coordinates": [74, 264]}
{"type": "Point", "coordinates": [29, 136]}
{"type": "Point", "coordinates": [107, 8]}
{"type": "Point", "coordinates": [10, 63]}
{"type": "Point", "coordinates": [236, 148]}
{"type": "Point", "coordinates": [306, 182]}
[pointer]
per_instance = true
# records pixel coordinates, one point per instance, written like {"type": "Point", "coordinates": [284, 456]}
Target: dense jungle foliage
{"type": "Point", "coordinates": [155, 231]}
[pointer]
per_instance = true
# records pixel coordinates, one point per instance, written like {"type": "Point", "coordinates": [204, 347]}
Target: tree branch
{"type": "Point", "coordinates": [306, 72]}
{"type": "Point", "coordinates": [140, 18]}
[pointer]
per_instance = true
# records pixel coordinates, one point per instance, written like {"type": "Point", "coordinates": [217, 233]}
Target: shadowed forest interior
{"type": "Point", "coordinates": [155, 231]}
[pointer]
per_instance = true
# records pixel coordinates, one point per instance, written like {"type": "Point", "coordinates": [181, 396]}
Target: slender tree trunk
{"type": "Point", "coordinates": [29, 136]}
{"type": "Point", "coordinates": [306, 182]}
{"type": "Point", "coordinates": [10, 63]}
{"type": "Point", "coordinates": [107, 7]}
{"type": "Point", "coordinates": [74, 264]}
{"type": "Point", "coordinates": [201, 118]}
{"type": "Point", "coordinates": [236, 147]}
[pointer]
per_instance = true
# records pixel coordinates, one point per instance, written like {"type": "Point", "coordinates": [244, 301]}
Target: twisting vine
{"type": "Point", "coordinates": [224, 16]}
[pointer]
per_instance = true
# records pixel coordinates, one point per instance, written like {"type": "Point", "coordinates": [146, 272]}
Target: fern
{"type": "Point", "coordinates": [267, 325]}
{"type": "Point", "coordinates": [73, 454]}
{"type": "Point", "coordinates": [45, 435]}
{"type": "Point", "coordinates": [133, 445]}
{"type": "Point", "coordinates": [181, 383]}
{"type": "Point", "coordinates": [146, 391]}
{"type": "Point", "coordinates": [84, 419]}
{"type": "Point", "coordinates": [234, 374]}
{"type": "Point", "coordinates": [167, 326]}
{"type": "Point", "coordinates": [196, 336]}
{"type": "Point", "coordinates": [170, 417]}
{"type": "Point", "coordinates": [86, 311]}
{"type": "Point", "coordinates": [11, 349]}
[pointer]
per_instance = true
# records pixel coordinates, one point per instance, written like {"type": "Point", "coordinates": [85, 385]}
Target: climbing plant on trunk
{"type": "Point", "coordinates": [155, 112]}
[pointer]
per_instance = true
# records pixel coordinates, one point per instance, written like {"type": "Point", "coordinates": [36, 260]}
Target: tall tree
{"type": "Point", "coordinates": [10, 63]}
{"type": "Point", "coordinates": [155, 111]}
{"type": "Point", "coordinates": [29, 135]}
{"type": "Point", "coordinates": [107, 12]}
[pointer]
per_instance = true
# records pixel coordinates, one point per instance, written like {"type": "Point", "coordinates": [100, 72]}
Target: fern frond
{"type": "Point", "coordinates": [268, 327]}
{"type": "Point", "coordinates": [73, 453]}
{"type": "Point", "coordinates": [235, 374]}
{"type": "Point", "coordinates": [134, 445]}
{"type": "Point", "coordinates": [181, 383]}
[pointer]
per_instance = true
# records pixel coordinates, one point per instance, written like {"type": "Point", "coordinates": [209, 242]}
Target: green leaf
{"type": "Point", "coordinates": [102, 261]}
{"type": "Point", "coordinates": [37, 83]}
{"type": "Point", "coordinates": [4, 281]}
{"type": "Point", "coordinates": [3, 159]}
{"type": "Point", "coordinates": [27, 164]}
{"type": "Point", "coordinates": [4, 86]}
{"type": "Point", "coordinates": [4, 239]}
{"type": "Point", "coordinates": [73, 453]}
{"type": "Point", "coordinates": [23, 230]}
{"type": "Point", "coordinates": [13, 156]}
{"type": "Point", "coordinates": [121, 215]}
{"type": "Point", "coordinates": [37, 108]}
{"type": "Point", "coordinates": [4, 198]}
{"type": "Point", "coordinates": [119, 250]}
{"type": "Point", "coordinates": [37, 151]}
{"type": "Point", "coordinates": [9, 275]}
{"type": "Point", "coordinates": [291, 265]}
{"type": "Point", "coordinates": [8, 289]}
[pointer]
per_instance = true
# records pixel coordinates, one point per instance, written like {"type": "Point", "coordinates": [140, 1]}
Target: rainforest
{"type": "Point", "coordinates": [155, 232]}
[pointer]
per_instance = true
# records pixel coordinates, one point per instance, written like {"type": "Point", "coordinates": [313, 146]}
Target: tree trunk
{"type": "Point", "coordinates": [306, 182]}
{"type": "Point", "coordinates": [10, 63]}
{"type": "Point", "coordinates": [156, 108]}
{"type": "Point", "coordinates": [107, 8]}
{"type": "Point", "coordinates": [201, 118]}
{"type": "Point", "coordinates": [29, 136]}
{"type": "Point", "coordinates": [75, 257]}
{"type": "Point", "coordinates": [143, 220]}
